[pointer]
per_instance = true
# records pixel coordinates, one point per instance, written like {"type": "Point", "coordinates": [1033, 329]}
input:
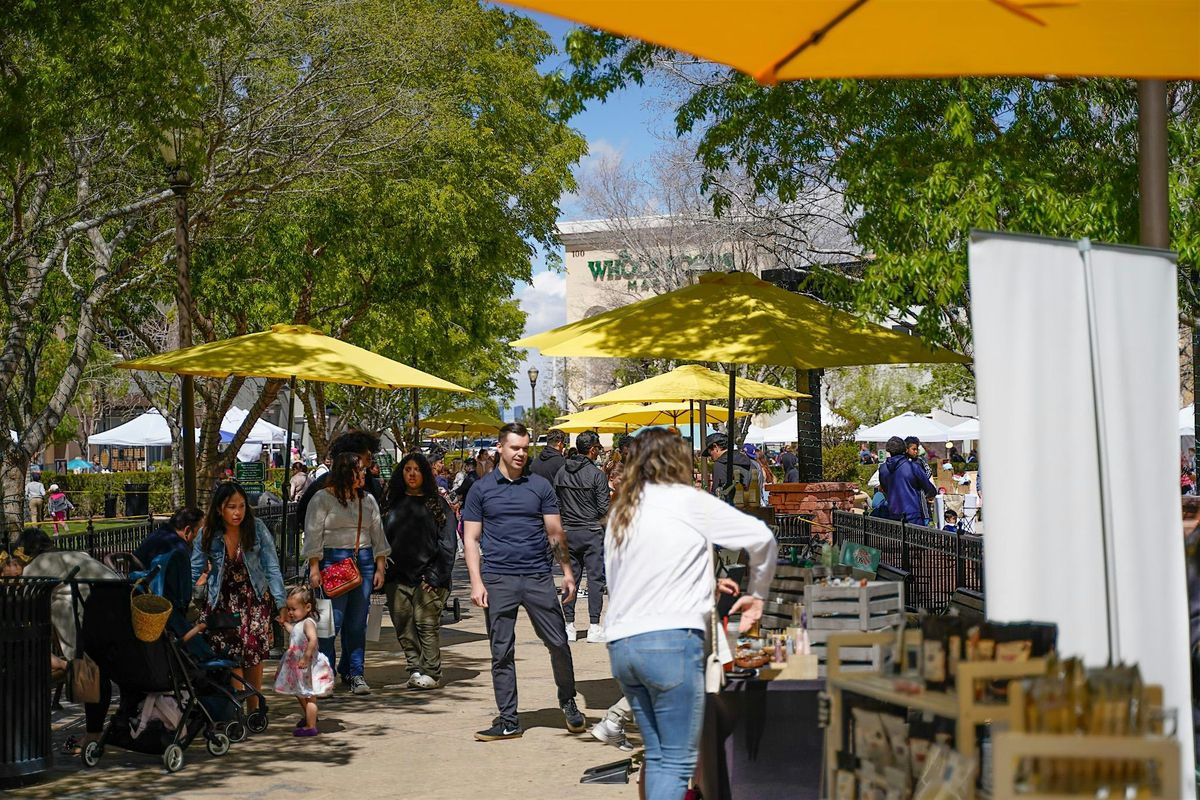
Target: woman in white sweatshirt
{"type": "Point", "coordinates": [661, 532]}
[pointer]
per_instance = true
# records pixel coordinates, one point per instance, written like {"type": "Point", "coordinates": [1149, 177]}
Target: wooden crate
{"type": "Point", "coordinates": [787, 589]}
{"type": "Point", "coordinates": [878, 605]}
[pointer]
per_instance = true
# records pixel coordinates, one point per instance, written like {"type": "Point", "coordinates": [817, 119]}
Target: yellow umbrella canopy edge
{"type": "Point", "coordinates": [669, 414]}
{"type": "Point", "coordinates": [736, 318]}
{"type": "Point", "coordinates": [475, 421]}
{"type": "Point", "coordinates": [691, 382]}
{"type": "Point", "coordinates": [775, 40]}
{"type": "Point", "coordinates": [580, 427]}
{"type": "Point", "coordinates": [596, 415]}
{"type": "Point", "coordinates": [292, 351]}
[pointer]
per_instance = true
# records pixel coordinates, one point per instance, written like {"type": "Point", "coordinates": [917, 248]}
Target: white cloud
{"type": "Point", "coordinates": [600, 152]}
{"type": "Point", "coordinates": [544, 301]}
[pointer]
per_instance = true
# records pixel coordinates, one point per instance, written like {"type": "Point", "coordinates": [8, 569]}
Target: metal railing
{"type": "Point", "coordinates": [937, 561]}
{"type": "Point", "coordinates": [105, 541]}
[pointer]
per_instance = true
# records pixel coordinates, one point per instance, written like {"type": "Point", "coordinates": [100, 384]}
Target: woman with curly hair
{"type": "Point", "coordinates": [658, 559]}
{"type": "Point", "coordinates": [422, 531]}
{"type": "Point", "coordinates": [342, 521]}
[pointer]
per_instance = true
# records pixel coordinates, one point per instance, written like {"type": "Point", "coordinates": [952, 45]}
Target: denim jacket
{"type": "Point", "coordinates": [262, 564]}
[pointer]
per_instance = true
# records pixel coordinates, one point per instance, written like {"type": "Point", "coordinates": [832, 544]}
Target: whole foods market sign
{"type": "Point", "coordinates": [646, 276]}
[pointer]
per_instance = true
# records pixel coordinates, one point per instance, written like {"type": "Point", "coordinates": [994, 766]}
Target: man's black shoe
{"type": "Point", "coordinates": [499, 730]}
{"type": "Point", "coordinates": [576, 723]}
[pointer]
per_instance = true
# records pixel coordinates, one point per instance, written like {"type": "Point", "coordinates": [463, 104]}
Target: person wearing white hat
{"type": "Point", "coordinates": [58, 507]}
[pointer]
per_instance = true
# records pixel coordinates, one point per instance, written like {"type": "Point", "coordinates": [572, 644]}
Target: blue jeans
{"type": "Point", "coordinates": [350, 613]}
{"type": "Point", "coordinates": [662, 675]}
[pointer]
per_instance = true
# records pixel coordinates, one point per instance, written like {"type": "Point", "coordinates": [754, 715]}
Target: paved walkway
{"type": "Point", "coordinates": [397, 743]}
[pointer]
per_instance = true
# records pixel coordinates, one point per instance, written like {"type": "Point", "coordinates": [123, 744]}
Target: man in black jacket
{"type": "Point", "coordinates": [582, 491]}
{"type": "Point", "coordinates": [551, 459]}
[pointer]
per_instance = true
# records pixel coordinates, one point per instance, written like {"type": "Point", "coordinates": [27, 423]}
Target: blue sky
{"type": "Point", "coordinates": [626, 124]}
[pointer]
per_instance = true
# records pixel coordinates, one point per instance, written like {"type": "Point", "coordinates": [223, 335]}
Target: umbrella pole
{"type": "Point", "coordinates": [731, 432]}
{"type": "Point", "coordinates": [188, 399]}
{"type": "Point", "coordinates": [692, 423]}
{"type": "Point", "coordinates": [287, 467]}
{"type": "Point", "coordinates": [703, 445]}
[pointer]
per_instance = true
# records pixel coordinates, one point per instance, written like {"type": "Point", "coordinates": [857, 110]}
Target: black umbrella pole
{"type": "Point", "coordinates": [731, 432]}
{"type": "Point", "coordinates": [287, 469]}
{"type": "Point", "coordinates": [187, 394]}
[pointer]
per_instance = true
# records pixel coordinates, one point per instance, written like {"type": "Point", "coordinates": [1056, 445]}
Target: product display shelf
{"type": "Point", "coordinates": [958, 704]}
{"type": "Point", "coordinates": [1011, 746]}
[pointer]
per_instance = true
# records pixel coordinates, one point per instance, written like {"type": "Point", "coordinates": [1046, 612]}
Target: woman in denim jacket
{"type": "Point", "coordinates": [243, 578]}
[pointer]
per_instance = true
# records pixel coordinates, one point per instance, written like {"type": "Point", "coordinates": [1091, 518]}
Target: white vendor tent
{"type": "Point", "coordinates": [785, 430]}
{"type": "Point", "coordinates": [968, 430]}
{"type": "Point", "coordinates": [262, 431]}
{"type": "Point", "coordinates": [147, 430]}
{"type": "Point", "coordinates": [907, 424]}
{"type": "Point", "coordinates": [1187, 421]}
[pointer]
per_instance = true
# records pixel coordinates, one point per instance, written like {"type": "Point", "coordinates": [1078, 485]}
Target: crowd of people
{"type": "Point", "coordinates": [631, 519]}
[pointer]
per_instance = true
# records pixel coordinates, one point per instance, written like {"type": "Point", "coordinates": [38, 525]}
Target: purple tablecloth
{"type": "Point", "coordinates": [762, 741]}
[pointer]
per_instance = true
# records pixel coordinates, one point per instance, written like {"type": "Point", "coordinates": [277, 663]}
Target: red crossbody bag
{"type": "Point", "coordinates": [343, 576]}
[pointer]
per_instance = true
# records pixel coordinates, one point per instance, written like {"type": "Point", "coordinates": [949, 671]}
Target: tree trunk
{"type": "Point", "coordinates": [12, 475]}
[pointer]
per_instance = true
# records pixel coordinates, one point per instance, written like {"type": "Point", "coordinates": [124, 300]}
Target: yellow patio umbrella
{"type": "Point", "coordinates": [462, 421]}
{"type": "Point", "coordinates": [569, 426]}
{"type": "Point", "coordinates": [775, 40]}
{"type": "Point", "coordinates": [690, 382]}
{"type": "Point", "coordinates": [738, 319]}
{"type": "Point", "coordinates": [670, 414]}
{"type": "Point", "coordinates": [289, 352]}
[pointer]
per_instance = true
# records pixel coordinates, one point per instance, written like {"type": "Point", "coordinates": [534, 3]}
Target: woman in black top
{"type": "Point", "coordinates": [422, 530]}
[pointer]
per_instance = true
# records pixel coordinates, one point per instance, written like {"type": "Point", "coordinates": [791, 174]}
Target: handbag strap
{"type": "Point", "coordinates": [358, 533]}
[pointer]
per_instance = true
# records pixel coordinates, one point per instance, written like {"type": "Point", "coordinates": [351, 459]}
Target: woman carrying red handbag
{"type": "Point", "coordinates": [346, 551]}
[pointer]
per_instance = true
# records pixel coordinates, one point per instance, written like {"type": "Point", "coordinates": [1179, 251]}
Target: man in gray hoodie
{"type": "Point", "coordinates": [582, 491]}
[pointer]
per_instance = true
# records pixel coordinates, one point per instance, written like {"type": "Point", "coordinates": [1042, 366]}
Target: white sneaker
{"type": "Point", "coordinates": [596, 634]}
{"type": "Point", "coordinates": [571, 636]}
{"type": "Point", "coordinates": [611, 733]}
{"type": "Point", "coordinates": [413, 681]}
{"type": "Point", "coordinates": [420, 681]}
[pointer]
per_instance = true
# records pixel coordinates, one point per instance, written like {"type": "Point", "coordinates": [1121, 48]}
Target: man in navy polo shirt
{"type": "Point", "coordinates": [514, 519]}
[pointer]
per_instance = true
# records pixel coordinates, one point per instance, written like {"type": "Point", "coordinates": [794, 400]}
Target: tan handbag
{"type": "Point", "coordinates": [85, 680]}
{"type": "Point", "coordinates": [714, 669]}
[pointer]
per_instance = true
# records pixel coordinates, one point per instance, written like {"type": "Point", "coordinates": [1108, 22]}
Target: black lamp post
{"type": "Point", "coordinates": [533, 376]}
{"type": "Point", "coordinates": [181, 182]}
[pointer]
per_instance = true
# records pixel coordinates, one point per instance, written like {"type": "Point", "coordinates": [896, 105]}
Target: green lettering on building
{"type": "Point", "coordinates": [597, 270]}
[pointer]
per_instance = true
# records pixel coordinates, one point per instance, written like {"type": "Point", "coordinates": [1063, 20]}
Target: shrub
{"type": "Point", "coordinates": [841, 463]}
{"type": "Point", "coordinates": [88, 490]}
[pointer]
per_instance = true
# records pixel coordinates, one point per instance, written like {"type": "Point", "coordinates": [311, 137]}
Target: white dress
{"type": "Point", "coordinates": [292, 679]}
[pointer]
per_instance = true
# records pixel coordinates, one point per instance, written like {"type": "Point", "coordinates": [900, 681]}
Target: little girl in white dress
{"type": "Point", "coordinates": [304, 673]}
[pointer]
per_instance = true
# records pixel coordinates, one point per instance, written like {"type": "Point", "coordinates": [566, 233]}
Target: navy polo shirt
{"type": "Point", "coordinates": [514, 533]}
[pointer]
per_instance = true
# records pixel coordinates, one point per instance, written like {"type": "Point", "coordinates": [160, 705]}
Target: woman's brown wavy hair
{"type": "Point", "coordinates": [656, 456]}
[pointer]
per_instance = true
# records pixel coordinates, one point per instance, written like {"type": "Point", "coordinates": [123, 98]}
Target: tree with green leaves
{"type": "Point", "coordinates": [917, 164]}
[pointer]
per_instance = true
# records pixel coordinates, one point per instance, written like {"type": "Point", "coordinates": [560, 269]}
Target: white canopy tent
{"type": "Point", "coordinates": [148, 430]}
{"type": "Point", "coordinates": [968, 430]}
{"type": "Point", "coordinates": [785, 430]}
{"type": "Point", "coordinates": [263, 431]}
{"type": "Point", "coordinates": [1187, 421]}
{"type": "Point", "coordinates": [907, 424]}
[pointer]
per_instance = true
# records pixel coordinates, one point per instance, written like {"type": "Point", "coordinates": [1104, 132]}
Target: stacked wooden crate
{"type": "Point", "coordinates": [838, 609]}
{"type": "Point", "coordinates": [787, 590]}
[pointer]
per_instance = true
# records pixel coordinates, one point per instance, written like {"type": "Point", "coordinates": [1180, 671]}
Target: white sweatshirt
{"type": "Point", "coordinates": [660, 577]}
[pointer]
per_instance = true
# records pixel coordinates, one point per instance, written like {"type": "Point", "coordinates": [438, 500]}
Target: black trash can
{"type": "Point", "coordinates": [25, 633]}
{"type": "Point", "coordinates": [137, 499]}
{"type": "Point", "coordinates": [110, 506]}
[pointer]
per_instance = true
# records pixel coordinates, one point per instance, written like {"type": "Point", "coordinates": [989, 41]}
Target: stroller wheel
{"type": "Point", "coordinates": [257, 722]}
{"type": "Point", "coordinates": [218, 744]}
{"type": "Point", "coordinates": [173, 758]}
{"type": "Point", "coordinates": [236, 731]}
{"type": "Point", "coordinates": [92, 753]}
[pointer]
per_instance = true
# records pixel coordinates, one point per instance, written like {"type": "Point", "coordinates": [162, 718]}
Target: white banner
{"type": "Point", "coordinates": [1068, 456]}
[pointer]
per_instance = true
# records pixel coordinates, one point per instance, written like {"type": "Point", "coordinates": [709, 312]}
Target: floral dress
{"type": "Point", "coordinates": [250, 643]}
{"type": "Point", "coordinates": [314, 681]}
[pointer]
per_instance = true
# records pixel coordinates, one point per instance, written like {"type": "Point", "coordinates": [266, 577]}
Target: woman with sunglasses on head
{"type": "Point", "coordinates": [340, 518]}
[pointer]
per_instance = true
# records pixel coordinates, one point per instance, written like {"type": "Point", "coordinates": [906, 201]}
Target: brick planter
{"type": "Point", "coordinates": [817, 500]}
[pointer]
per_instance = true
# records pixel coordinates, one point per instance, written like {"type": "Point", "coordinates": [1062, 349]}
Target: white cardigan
{"type": "Point", "coordinates": [660, 577]}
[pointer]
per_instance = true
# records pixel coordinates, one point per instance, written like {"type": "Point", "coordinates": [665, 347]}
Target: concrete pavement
{"type": "Point", "coordinates": [396, 743]}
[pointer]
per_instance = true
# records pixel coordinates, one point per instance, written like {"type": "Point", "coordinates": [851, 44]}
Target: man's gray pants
{"type": "Point", "coordinates": [587, 550]}
{"type": "Point", "coordinates": [539, 597]}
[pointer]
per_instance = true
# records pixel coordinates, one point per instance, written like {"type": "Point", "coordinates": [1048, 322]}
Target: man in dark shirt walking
{"type": "Point", "coordinates": [551, 459]}
{"type": "Point", "coordinates": [514, 520]}
{"type": "Point", "coordinates": [582, 489]}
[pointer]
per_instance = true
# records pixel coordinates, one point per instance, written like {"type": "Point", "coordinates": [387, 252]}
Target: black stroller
{"type": "Point", "coordinates": [142, 671]}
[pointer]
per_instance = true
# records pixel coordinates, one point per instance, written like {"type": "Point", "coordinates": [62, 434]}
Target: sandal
{"type": "Point", "coordinates": [73, 746]}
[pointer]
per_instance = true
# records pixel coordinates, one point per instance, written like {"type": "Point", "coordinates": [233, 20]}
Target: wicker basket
{"type": "Point", "coordinates": [150, 614]}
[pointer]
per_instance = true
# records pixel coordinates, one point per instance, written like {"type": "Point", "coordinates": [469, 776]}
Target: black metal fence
{"type": "Point", "coordinates": [104, 541]}
{"type": "Point", "coordinates": [937, 561]}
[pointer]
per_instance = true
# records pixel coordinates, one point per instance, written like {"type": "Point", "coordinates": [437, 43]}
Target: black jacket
{"type": "Point", "coordinates": [548, 463]}
{"type": "Point", "coordinates": [372, 486]}
{"type": "Point", "coordinates": [582, 494]}
{"type": "Point", "coordinates": [421, 549]}
{"type": "Point", "coordinates": [740, 459]}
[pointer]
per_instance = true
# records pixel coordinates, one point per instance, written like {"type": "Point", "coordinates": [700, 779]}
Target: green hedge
{"type": "Point", "coordinates": [87, 491]}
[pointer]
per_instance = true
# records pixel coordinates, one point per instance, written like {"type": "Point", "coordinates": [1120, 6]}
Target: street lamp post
{"type": "Point", "coordinates": [533, 376]}
{"type": "Point", "coordinates": [181, 183]}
